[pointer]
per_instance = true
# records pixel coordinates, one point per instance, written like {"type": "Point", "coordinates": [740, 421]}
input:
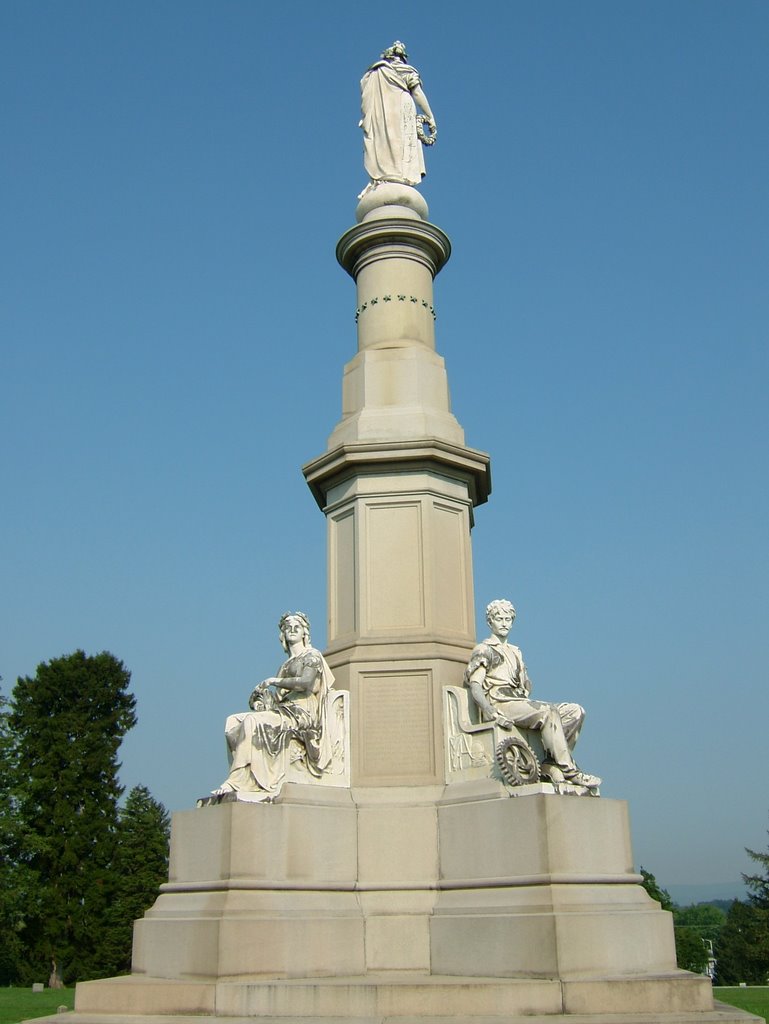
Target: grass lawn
{"type": "Point", "coordinates": [753, 1000]}
{"type": "Point", "coordinates": [21, 1003]}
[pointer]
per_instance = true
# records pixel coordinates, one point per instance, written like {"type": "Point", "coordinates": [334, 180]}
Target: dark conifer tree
{"type": "Point", "coordinates": [742, 951]}
{"type": "Point", "coordinates": [758, 885]}
{"type": "Point", "coordinates": [141, 867]}
{"type": "Point", "coordinates": [18, 891]}
{"type": "Point", "coordinates": [66, 725]}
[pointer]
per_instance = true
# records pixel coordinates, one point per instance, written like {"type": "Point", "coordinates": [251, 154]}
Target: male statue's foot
{"type": "Point", "coordinates": [579, 778]}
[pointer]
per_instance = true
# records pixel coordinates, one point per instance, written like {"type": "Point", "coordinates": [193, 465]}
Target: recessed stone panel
{"type": "Point", "coordinates": [394, 570]}
{"type": "Point", "coordinates": [396, 718]}
{"type": "Point", "coordinates": [342, 567]}
{"type": "Point", "coordinates": [449, 550]}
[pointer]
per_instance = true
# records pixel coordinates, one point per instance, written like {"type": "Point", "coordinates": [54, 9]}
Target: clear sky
{"type": "Point", "coordinates": [174, 326]}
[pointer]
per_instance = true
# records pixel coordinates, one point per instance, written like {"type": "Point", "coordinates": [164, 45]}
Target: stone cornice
{"type": "Point", "coordinates": [352, 459]}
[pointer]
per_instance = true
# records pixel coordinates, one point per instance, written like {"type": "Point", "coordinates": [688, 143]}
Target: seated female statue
{"type": "Point", "coordinates": [286, 707]}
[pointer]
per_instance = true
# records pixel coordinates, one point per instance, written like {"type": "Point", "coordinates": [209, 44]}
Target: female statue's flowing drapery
{"type": "Point", "coordinates": [391, 149]}
{"type": "Point", "coordinates": [259, 741]}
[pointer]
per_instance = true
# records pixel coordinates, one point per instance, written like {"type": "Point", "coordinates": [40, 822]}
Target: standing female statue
{"type": "Point", "coordinates": [286, 707]}
{"type": "Point", "coordinates": [390, 93]}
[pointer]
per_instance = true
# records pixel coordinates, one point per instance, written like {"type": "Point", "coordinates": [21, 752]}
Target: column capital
{"type": "Point", "coordinates": [393, 237]}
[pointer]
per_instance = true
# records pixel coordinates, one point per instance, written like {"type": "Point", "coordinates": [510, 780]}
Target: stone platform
{"type": "Point", "coordinates": [431, 904]}
{"type": "Point", "coordinates": [405, 999]}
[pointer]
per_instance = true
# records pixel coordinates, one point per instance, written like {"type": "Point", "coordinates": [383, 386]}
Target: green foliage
{"type": "Point", "coordinates": [75, 869]}
{"type": "Point", "coordinates": [742, 951]}
{"type": "Point", "coordinates": [694, 926]}
{"type": "Point", "coordinates": [662, 896]}
{"type": "Point", "coordinates": [758, 885]}
{"type": "Point", "coordinates": [723, 905]}
{"type": "Point", "coordinates": [18, 889]}
{"type": "Point", "coordinates": [743, 946]}
{"type": "Point", "coordinates": [705, 917]}
{"type": "Point", "coordinates": [62, 736]}
{"type": "Point", "coordinates": [691, 952]}
{"type": "Point", "coordinates": [141, 866]}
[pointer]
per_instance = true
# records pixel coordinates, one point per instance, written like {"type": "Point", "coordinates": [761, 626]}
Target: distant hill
{"type": "Point", "coordinates": [684, 895]}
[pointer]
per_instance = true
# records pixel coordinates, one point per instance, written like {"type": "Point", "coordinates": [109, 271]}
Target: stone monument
{"type": "Point", "coordinates": [456, 876]}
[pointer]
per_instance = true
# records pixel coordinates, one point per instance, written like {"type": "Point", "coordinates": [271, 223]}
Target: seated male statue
{"type": "Point", "coordinates": [497, 678]}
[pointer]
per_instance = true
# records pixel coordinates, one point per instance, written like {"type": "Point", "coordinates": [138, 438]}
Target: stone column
{"type": "Point", "coordinates": [397, 485]}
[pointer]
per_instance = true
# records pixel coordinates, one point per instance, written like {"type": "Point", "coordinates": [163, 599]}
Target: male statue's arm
{"type": "Point", "coordinates": [525, 680]}
{"type": "Point", "coordinates": [483, 702]}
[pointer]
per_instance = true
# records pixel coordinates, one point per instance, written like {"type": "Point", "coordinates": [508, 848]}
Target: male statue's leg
{"type": "Point", "coordinates": [572, 717]}
{"type": "Point", "coordinates": [554, 740]}
{"type": "Point", "coordinates": [534, 714]}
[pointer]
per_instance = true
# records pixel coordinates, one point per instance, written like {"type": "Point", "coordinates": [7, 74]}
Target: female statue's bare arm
{"type": "Point", "coordinates": [421, 100]}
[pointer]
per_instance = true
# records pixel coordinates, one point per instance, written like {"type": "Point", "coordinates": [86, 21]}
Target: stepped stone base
{"type": "Point", "coordinates": [426, 905]}
{"type": "Point", "coordinates": [401, 997]}
{"type": "Point", "coordinates": [678, 998]}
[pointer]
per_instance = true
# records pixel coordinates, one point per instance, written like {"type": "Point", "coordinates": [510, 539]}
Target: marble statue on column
{"type": "Point", "coordinates": [499, 683]}
{"type": "Point", "coordinates": [393, 132]}
{"type": "Point", "coordinates": [291, 706]}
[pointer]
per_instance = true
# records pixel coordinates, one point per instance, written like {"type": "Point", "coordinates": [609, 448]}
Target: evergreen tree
{"type": "Point", "coordinates": [742, 952]}
{"type": "Point", "coordinates": [17, 881]}
{"type": "Point", "coordinates": [758, 885]}
{"type": "Point", "coordinates": [141, 867]}
{"type": "Point", "coordinates": [743, 948]}
{"type": "Point", "coordinates": [65, 727]}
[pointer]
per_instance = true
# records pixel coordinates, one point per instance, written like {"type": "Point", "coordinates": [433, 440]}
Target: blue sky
{"type": "Point", "coordinates": [174, 325]}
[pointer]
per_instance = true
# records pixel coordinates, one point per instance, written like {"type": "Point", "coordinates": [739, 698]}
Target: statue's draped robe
{"type": "Point", "coordinates": [258, 741]}
{"type": "Point", "coordinates": [391, 149]}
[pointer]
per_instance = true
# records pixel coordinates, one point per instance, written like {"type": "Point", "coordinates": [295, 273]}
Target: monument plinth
{"type": "Point", "coordinates": [427, 890]}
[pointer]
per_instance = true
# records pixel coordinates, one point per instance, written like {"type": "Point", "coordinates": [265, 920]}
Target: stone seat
{"type": "Point", "coordinates": [472, 743]}
{"type": "Point", "coordinates": [338, 723]}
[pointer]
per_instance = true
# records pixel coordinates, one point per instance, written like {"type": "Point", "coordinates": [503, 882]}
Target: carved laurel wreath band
{"type": "Point", "coordinates": [399, 298]}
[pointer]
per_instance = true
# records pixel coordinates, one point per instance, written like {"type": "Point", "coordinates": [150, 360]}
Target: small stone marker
{"type": "Point", "coordinates": [37, 986]}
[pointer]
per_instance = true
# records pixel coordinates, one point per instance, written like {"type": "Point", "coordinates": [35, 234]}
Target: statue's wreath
{"type": "Point", "coordinates": [422, 135]}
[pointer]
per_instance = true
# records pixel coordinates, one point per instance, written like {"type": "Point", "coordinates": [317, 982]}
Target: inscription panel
{"type": "Point", "coordinates": [396, 718]}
